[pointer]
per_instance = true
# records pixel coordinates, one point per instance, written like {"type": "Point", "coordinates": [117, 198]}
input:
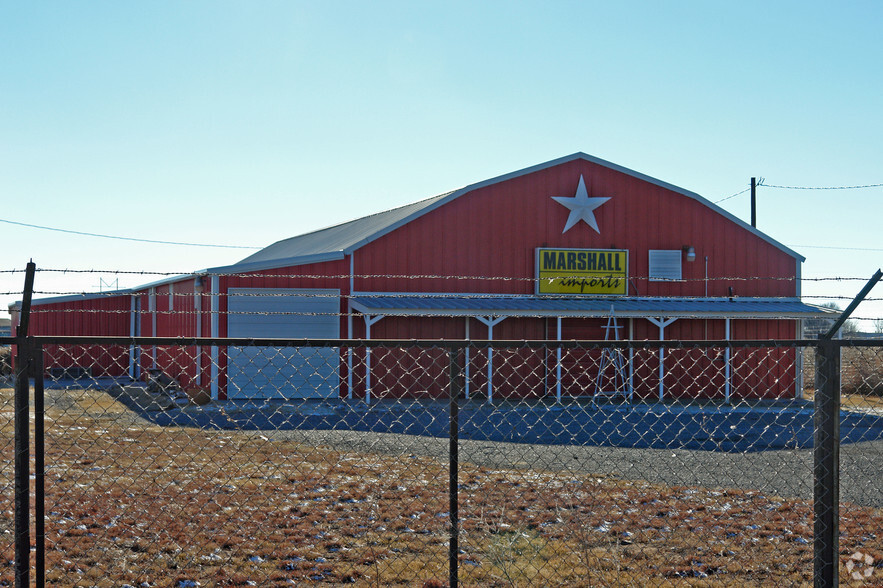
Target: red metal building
{"type": "Point", "coordinates": [555, 251]}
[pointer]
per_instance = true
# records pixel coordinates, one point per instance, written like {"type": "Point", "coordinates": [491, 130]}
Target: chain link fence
{"type": "Point", "coordinates": [426, 463]}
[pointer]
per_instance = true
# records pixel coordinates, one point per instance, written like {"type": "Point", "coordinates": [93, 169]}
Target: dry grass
{"type": "Point", "coordinates": [5, 360]}
{"type": "Point", "coordinates": [852, 401]}
{"type": "Point", "coordinates": [130, 502]}
{"type": "Point", "coordinates": [861, 379]}
{"type": "Point", "coordinates": [862, 372]}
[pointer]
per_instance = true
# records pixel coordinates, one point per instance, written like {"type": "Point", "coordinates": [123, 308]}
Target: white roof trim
{"type": "Point", "coordinates": [418, 312]}
{"type": "Point", "coordinates": [275, 263]}
{"type": "Point", "coordinates": [565, 313]}
{"type": "Point", "coordinates": [74, 298]}
{"type": "Point", "coordinates": [163, 282]}
{"type": "Point", "coordinates": [567, 159]}
{"type": "Point", "coordinates": [437, 201]}
{"type": "Point", "coordinates": [389, 294]}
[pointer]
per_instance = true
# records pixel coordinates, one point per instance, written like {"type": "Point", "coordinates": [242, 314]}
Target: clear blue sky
{"type": "Point", "coordinates": [242, 123]}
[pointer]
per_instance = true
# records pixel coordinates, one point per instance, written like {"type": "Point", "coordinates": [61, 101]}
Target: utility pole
{"type": "Point", "coordinates": [753, 203]}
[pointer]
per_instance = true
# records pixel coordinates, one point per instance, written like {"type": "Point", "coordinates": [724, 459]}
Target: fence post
{"type": "Point", "coordinates": [22, 462]}
{"type": "Point", "coordinates": [454, 466]}
{"type": "Point", "coordinates": [826, 466]}
{"type": "Point", "coordinates": [39, 468]}
{"type": "Point", "coordinates": [23, 367]}
{"type": "Point", "coordinates": [826, 449]}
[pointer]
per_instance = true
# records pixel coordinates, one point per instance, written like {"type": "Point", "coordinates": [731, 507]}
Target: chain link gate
{"type": "Point", "coordinates": [394, 468]}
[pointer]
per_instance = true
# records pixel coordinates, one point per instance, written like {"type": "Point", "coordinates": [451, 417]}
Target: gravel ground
{"type": "Point", "coordinates": [775, 473]}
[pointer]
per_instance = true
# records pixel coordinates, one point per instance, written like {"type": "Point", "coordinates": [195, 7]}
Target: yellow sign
{"type": "Point", "coordinates": [583, 271]}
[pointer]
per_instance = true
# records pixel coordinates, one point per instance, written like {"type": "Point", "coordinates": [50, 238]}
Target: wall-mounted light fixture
{"type": "Point", "coordinates": [689, 252]}
{"type": "Point", "coordinates": [199, 284]}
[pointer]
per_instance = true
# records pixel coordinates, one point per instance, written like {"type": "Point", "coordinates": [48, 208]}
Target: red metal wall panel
{"type": "Point", "coordinates": [103, 316]}
{"type": "Point", "coordinates": [490, 235]}
{"type": "Point", "coordinates": [493, 232]}
{"type": "Point", "coordinates": [178, 308]}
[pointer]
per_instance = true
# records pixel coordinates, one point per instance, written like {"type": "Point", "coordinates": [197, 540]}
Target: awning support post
{"type": "Point", "coordinates": [151, 304]}
{"type": "Point", "coordinates": [661, 323]}
{"type": "Point", "coordinates": [631, 360]}
{"type": "Point", "coordinates": [466, 371]}
{"type": "Point", "coordinates": [133, 316]}
{"type": "Point", "coordinates": [197, 308]}
{"type": "Point", "coordinates": [558, 366]}
{"type": "Point", "coordinates": [727, 362]}
{"type": "Point", "coordinates": [349, 330]}
{"type": "Point", "coordinates": [214, 317]}
{"type": "Point", "coordinates": [490, 322]}
{"type": "Point", "coordinates": [369, 320]}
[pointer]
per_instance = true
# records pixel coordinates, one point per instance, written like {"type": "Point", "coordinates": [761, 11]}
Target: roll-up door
{"type": "Point", "coordinates": [283, 372]}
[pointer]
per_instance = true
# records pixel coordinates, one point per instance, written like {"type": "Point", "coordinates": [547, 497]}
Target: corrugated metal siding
{"type": "Point", "coordinates": [522, 373]}
{"type": "Point", "coordinates": [144, 328]}
{"type": "Point", "coordinates": [518, 373]}
{"type": "Point", "coordinates": [689, 373]}
{"type": "Point", "coordinates": [93, 316]}
{"type": "Point", "coordinates": [764, 372]}
{"type": "Point", "coordinates": [408, 372]}
{"type": "Point", "coordinates": [493, 231]}
{"type": "Point", "coordinates": [176, 316]}
{"type": "Point", "coordinates": [104, 316]}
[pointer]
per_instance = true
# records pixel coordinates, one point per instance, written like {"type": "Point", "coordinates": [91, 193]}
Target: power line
{"type": "Point", "coordinates": [761, 182]}
{"type": "Point", "coordinates": [124, 238]}
{"type": "Point", "coordinates": [838, 248]}
{"type": "Point", "coordinates": [731, 196]}
{"type": "Point", "coordinates": [823, 187]}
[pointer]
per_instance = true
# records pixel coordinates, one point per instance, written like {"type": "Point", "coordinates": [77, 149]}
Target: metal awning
{"type": "Point", "coordinates": [491, 309]}
{"type": "Point", "coordinates": [545, 306]}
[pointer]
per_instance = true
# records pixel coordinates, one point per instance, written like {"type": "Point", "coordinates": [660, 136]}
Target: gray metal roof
{"type": "Point", "coordinates": [15, 306]}
{"type": "Point", "coordinates": [339, 240]}
{"type": "Point", "coordinates": [333, 242]}
{"type": "Point", "coordinates": [537, 306]}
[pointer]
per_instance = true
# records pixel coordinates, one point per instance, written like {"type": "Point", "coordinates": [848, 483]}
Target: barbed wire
{"type": "Point", "coordinates": [444, 295]}
{"type": "Point", "coordinates": [169, 298]}
{"type": "Point", "coordinates": [430, 314]}
{"type": "Point", "coordinates": [292, 291]}
{"type": "Point", "coordinates": [192, 275]}
{"type": "Point", "coordinates": [112, 271]}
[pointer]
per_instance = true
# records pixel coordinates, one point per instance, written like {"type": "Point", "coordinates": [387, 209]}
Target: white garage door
{"type": "Point", "coordinates": [283, 372]}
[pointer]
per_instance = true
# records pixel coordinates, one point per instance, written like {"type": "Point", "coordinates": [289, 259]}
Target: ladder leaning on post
{"type": "Point", "coordinates": [612, 358]}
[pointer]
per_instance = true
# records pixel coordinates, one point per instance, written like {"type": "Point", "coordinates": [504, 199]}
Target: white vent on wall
{"type": "Point", "coordinates": [665, 264]}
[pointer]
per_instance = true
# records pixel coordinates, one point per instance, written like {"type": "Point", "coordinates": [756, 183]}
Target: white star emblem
{"type": "Point", "coordinates": [581, 207]}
